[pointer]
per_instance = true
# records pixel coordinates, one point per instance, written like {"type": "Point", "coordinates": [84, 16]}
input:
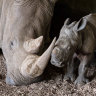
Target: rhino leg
{"type": "Point", "coordinates": [81, 79]}
{"type": "Point", "coordinates": [69, 75]}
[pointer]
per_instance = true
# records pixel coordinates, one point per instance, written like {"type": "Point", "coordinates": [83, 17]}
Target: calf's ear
{"type": "Point", "coordinates": [67, 22]}
{"type": "Point", "coordinates": [33, 45]}
{"type": "Point", "coordinates": [80, 25]}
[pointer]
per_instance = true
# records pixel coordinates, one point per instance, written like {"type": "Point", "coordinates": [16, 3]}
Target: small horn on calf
{"type": "Point", "coordinates": [34, 65]}
{"type": "Point", "coordinates": [33, 45]}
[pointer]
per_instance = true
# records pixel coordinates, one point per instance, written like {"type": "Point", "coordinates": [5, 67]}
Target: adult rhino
{"type": "Point", "coordinates": [24, 29]}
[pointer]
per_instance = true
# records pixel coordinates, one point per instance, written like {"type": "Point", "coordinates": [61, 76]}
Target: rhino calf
{"type": "Point", "coordinates": [76, 40]}
{"type": "Point", "coordinates": [24, 29]}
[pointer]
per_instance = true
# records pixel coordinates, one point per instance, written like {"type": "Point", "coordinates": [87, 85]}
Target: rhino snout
{"type": "Point", "coordinates": [55, 58]}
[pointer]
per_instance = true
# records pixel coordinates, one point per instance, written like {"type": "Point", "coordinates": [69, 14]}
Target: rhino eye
{"type": "Point", "coordinates": [13, 44]}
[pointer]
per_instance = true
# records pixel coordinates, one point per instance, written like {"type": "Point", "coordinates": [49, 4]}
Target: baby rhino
{"type": "Point", "coordinates": [76, 40]}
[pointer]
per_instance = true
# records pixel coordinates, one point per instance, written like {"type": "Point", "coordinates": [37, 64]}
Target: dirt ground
{"type": "Point", "coordinates": [53, 85]}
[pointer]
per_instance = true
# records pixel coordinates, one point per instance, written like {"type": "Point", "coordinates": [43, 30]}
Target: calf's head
{"type": "Point", "coordinates": [68, 41]}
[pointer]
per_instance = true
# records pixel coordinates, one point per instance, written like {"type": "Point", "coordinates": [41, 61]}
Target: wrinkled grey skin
{"type": "Point", "coordinates": [23, 20]}
{"type": "Point", "coordinates": [76, 40]}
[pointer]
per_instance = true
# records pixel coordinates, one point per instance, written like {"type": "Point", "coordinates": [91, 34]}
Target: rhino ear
{"type": "Point", "coordinates": [67, 22]}
{"type": "Point", "coordinates": [80, 25]}
{"type": "Point", "coordinates": [33, 45]}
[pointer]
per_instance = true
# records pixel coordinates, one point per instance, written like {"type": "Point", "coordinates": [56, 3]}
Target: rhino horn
{"type": "Point", "coordinates": [33, 45]}
{"type": "Point", "coordinates": [43, 60]}
{"type": "Point", "coordinates": [34, 65]}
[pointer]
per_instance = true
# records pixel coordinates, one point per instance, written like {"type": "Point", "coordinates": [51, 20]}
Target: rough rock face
{"type": "Point", "coordinates": [24, 30]}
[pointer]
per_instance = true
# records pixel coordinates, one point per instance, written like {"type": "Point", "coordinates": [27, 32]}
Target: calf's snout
{"type": "Point", "coordinates": [55, 58]}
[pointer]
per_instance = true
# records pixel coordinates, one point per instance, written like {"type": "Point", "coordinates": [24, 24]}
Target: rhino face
{"type": "Point", "coordinates": [23, 63]}
{"type": "Point", "coordinates": [67, 42]}
{"type": "Point", "coordinates": [62, 52]}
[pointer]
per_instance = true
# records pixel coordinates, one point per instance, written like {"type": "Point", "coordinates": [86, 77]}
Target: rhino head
{"type": "Point", "coordinates": [24, 65]}
{"type": "Point", "coordinates": [26, 25]}
{"type": "Point", "coordinates": [67, 43]}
